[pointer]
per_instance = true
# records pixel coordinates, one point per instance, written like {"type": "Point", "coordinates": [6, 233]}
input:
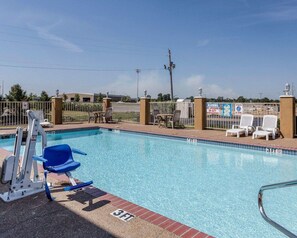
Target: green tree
{"type": "Point", "coordinates": [65, 97]}
{"type": "Point", "coordinates": [166, 97]}
{"type": "Point", "coordinates": [191, 98]}
{"type": "Point", "coordinates": [265, 99]}
{"type": "Point", "coordinates": [76, 97]}
{"type": "Point", "coordinates": [16, 93]}
{"type": "Point", "coordinates": [32, 97]}
{"type": "Point", "coordinates": [126, 99]}
{"type": "Point", "coordinates": [99, 98]}
{"type": "Point", "coordinates": [160, 97]}
{"type": "Point", "coordinates": [241, 99]}
{"type": "Point", "coordinates": [220, 99]}
{"type": "Point", "coordinates": [44, 96]}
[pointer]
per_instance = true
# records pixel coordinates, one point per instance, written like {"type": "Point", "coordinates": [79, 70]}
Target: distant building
{"type": "Point", "coordinates": [90, 97]}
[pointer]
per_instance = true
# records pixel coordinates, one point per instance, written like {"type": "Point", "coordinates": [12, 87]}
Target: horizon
{"type": "Point", "coordinates": [230, 49]}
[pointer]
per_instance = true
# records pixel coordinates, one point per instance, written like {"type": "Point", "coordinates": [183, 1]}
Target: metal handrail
{"type": "Point", "coordinates": [261, 208]}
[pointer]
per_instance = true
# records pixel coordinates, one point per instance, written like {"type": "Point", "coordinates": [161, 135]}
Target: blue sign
{"type": "Point", "coordinates": [227, 110]}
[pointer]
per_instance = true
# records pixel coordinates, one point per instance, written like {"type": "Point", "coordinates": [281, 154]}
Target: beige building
{"type": "Point", "coordinates": [90, 97]}
{"type": "Point", "coordinates": [83, 97]}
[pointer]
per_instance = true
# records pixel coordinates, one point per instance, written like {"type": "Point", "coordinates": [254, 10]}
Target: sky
{"type": "Point", "coordinates": [229, 48]}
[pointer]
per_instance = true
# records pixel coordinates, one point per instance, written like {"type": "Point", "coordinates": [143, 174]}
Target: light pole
{"type": "Point", "coordinates": [137, 71]}
{"type": "Point", "coordinates": [170, 67]}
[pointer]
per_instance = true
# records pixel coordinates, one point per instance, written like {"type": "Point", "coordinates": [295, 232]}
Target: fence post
{"type": "Point", "coordinates": [144, 110]}
{"type": "Point", "coordinates": [287, 116]}
{"type": "Point", "coordinates": [106, 103]}
{"type": "Point", "coordinates": [199, 113]}
{"type": "Point", "coordinates": [57, 110]}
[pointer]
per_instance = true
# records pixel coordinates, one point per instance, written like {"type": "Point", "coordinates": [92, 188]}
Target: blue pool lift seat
{"type": "Point", "coordinates": [58, 159]}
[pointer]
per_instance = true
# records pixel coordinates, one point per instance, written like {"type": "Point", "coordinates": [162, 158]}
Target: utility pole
{"type": "Point", "coordinates": [137, 71]}
{"type": "Point", "coordinates": [2, 93]}
{"type": "Point", "coordinates": [170, 67]}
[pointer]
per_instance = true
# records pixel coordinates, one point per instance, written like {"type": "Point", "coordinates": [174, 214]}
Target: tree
{"type": "Point", "coordinates": [265, 99]}
{"type": "Point", "coordinates": [241, 99]}
{"type": "Point", "coordinates": [16, 93]}
{"type": "Point", "coordinates": [166, 97]}
{"type": "Point", "coordinates": [32, 97]}
{"type": "Point", "coordinates": [99, 98]}
{"type": "Point", "coordinates": [65, 97]}
{"type": "Point", "coordinates": [126, 99]}
{"type": "Point", "coordinates": [76, 97]}
{"type": "Point", "coordinates": [191, 98]}
{"type": "Point", "coordinates": [160, 97]}
{"type": "Point", "coordinates": [44, 96]}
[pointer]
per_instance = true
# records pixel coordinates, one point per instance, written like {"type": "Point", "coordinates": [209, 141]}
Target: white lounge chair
{"type": "Point", "coordinates": [268, 128]}
{"type": "Point", "coordinates": [43, 122]}
{"type": "Point", "coordinates": [245, 126]}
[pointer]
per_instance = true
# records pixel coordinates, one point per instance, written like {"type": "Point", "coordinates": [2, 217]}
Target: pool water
{"type": "Point", "coordinates": [209, 187]}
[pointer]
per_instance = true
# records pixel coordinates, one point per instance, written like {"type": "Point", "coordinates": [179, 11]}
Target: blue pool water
{"type": "Point", "coordinates": [209, 187]}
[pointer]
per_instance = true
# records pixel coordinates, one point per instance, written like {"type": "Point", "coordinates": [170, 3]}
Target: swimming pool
{"type": "Point", "coordinates": [209, 187]}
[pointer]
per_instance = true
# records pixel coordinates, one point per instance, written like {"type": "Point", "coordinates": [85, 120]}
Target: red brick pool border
{"type": "Point", "coordinates": [147, 215]}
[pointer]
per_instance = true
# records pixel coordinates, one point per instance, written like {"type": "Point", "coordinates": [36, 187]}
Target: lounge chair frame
{"type": "Point", "coordinates": [244, 128]}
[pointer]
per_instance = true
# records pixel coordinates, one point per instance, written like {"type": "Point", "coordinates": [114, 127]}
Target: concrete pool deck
{"type": "Point", "coordinates": [87, 214]}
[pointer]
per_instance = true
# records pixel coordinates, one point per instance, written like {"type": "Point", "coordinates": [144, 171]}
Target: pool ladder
{"type": "Point", "coordinates": [261, 208]}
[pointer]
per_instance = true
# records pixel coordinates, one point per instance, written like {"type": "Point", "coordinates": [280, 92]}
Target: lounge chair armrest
{"type": "Point", "coordinates": [251, 128]}
{"type": "Point", "coordinates": [39, 158]}
{"type": "Point", "coordinates": [77, 151]}
{"type": "Point", "coordinates": [259, 128]}
{"type": "Point", "coordinates": [45, 120]}
{"type": "Point", "coordinates": [275, 130]}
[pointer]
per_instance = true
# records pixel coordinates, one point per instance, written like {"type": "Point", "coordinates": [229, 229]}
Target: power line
{"type": "Point", "coordinates": [100, 49]}
{"type": "Point", "coordinates": [127, 44]}
{"type": "Point", "coordinates": [76, 37]}
{"type": "Point", "coordinates": [74, 69]}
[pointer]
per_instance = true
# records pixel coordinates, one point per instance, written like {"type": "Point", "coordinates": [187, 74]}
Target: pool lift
{"type": "Point", "coordinates": [17, 171]}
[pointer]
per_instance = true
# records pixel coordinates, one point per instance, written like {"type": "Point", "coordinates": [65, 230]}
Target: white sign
{"type": "Point", "coordinates": [123, 215]}
{"type": "Point", "coordinates": [25, 105]}
{"type": "Point", "coordinates": [213, 108]}
{"type": "Point", "coordinates": [238, 108]}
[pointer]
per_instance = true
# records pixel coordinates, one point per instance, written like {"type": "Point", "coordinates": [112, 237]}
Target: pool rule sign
{"type": "Point", "coordinates": [123, 215]}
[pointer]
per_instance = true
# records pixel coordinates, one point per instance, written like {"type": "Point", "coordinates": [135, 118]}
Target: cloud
{"type": "Point", "coordinates": [156, 82]}
{"type": "Point", "coordinates": [202, 43]}
{"type": "Point", "coordinates": [193, 83]}
{"type": "Point", "coordinates": [55, 40]}
{"type": "Point", "coordinates": [280, 12]}
{"type": "Point", "coordinates": [126, 84]}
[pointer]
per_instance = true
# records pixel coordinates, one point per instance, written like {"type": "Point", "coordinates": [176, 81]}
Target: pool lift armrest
{"type": "Point", "coordinates": [77, 151]}
{"type": "Point", "coordinates": [261, 207]}
{"type": "Point", "coordinates": [39, 158]}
